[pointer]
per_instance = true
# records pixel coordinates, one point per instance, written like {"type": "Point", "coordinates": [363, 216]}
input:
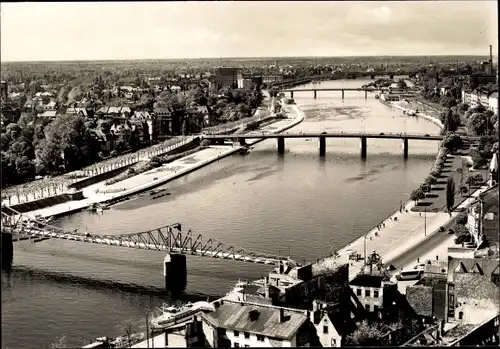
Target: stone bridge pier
{"type": "Point", "coordinates": [175, 273]}
{"type": "Point", "coordinates": [281, 145]}
{"type": "Point", "coordinates": [405, 148]}
{"type": "Point", "coordinates": [291, 94]}
{"type": "Point", "coordinates": [322, 146]}
{"type": "Point", "coordinates": [315, 94]}
{"type": "Point", "coordinates": [363, 147]}
{"type": "Point", "coordinates": [343, 93]}
{"type": "Point", "coordinates": [242, 141]}
{"type": "Point", "coordinates": [7, 250]}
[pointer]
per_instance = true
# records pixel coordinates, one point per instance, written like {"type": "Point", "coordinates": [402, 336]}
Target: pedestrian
{"type": "Point", "coordinates": [420, 214]}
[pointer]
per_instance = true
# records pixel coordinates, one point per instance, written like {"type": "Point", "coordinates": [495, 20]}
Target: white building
{"type": "Point", "coordinates": [493, 103]}
{"type": "Point", "coordinates": [247, 325]}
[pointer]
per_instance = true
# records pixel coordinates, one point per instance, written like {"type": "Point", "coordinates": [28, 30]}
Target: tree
{"type": "Point", "coordinates": [451, 121]}
{"type": "Point", "coordinates": [25, 168]}
{"type": "Point", "coordinates": [450, 194]}
{"type": "Point", "coordinates": [462, 218]}
{"type": "Point", "coordinates": [366, 334]}
{"type": "Point", "coordinates": [417, 195]}
{"type": "Point", "coordinates": [479, 124]}
{"type": "Point", "coordinates": [451, 142]}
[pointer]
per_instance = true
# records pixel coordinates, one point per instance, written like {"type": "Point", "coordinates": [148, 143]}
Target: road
{"type": "Point", "coordinates": [410, 257]}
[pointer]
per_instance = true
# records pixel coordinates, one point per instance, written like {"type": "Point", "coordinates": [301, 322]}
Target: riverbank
{"type": "Point", "coordinates": [102, 194]}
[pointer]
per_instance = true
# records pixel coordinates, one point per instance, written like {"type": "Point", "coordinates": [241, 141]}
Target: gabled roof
{"type": "Point", "coordinates": [487, 265]}
{"type": "Point", "coordinates": [237, 316]}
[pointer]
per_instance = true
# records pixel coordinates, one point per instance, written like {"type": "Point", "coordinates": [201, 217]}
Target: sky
{"type": "Point", "coordinates": [162, 30]}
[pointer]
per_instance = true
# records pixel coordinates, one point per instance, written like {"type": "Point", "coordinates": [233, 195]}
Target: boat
{"type": "Point", "coordinates": [156, 191]}
{"type": "Point", "coordinates": [175, 314]}
{"type": "Point", "coordinates": [244, 150]}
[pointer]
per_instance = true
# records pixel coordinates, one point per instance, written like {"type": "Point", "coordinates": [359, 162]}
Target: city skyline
{"type": "Point", "coordinates": [187, 30]}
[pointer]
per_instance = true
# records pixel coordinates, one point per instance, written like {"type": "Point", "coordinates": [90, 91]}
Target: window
{"type": "Point", "coordinates": [367, 293]}
{"type": "Point", "coordinates": [236, 345]}
{"type": "Point", "coordinates": [460, 315]}
{"type": "Point", "coordinates": [358, 292]}
{"type": "Point", "coordinates": [247, 335]}
{"type": "Point", "coordinates": [367, 307]}
{"type": "Point", "coordinates": [325, 329]}
{"type": "Point", "coordinates": [375, 293]}
{"type": "Point", "coordinates": [334, 342]}
{"type": "Point", "coordinates": [260, 338]}
{"type": "Point", "coordinates": [236, 333]}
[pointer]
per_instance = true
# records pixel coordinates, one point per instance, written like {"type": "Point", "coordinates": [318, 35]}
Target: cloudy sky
{"type": "Point", "coordinates": [82, 31]}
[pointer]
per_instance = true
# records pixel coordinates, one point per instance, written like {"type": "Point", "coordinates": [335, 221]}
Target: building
{"type": "Point", "coordinates": [473, 290]}
{"type": "Point", "coordinates": [242, 324]}
{"type": "Point", "coordinates": [228, 78]}
{"type": "Point", "coordinates": [482, 218]}
{"type": "Point", "coordinates": [428, 296]}
{"type": "Point", "coordinates": [482, 79]}
{"type": "Point", "coordinates": [493, 102]}
{"type": "Point", "coordinates": [370, 290]}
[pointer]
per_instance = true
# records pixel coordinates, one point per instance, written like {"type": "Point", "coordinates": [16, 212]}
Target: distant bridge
{"type": "Point", "coordinates": [405, 137]}
{"type": "Point", "coordinates": [322, 139]}
{"type": "Point", "coordinates": [168, 238]}
{"type": "Point", "coordinates": [365, 89]}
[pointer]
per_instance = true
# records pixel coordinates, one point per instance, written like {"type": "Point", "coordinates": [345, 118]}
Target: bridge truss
{"type": "Point", "coordinates": [168, 238]}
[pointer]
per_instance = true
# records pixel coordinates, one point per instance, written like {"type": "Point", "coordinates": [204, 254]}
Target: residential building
{"type": "Point", "coordinates": [76, 111]}
{"type": "Point", "coordinates": [228, 78]}
{"type": "Point", "coordinates": [243, 324]}
{"type": "Point", "coordinates": [428, 296]}
{"type": "Point", "coordinates": [481, 79]}
{"type": "Point", "coordinates": [473, 290]}
{"type": "Point", "coordinates": [331, 325]}
{"type": "Point", "coordinates": [493, 102]}
{"type": "Point", "coordinates": [482, 218]}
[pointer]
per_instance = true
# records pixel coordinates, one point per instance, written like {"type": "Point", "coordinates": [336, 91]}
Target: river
{"type": "Point", "coordinates": [298, 203]}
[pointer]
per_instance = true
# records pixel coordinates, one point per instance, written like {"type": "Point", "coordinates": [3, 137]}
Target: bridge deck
{"type": "Point", "coordinates": [414, 136]}
{"type": "Point", "coordinates": [169, 238]}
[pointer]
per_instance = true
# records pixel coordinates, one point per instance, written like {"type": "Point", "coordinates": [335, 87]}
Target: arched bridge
{"type": "Point", "coordinates": [168, 238]}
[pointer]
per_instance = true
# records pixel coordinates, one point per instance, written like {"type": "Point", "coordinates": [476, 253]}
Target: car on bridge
{"type": "Point", "coordinates": [427, 135]}
{"type": "Point", "coordinates": [324, 133]}
{"type": "Point", "coordinates": [381, 133]}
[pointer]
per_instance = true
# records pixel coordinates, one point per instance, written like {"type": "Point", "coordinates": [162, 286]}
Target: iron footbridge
{"type": "Point", "coordinates": [168, 238]}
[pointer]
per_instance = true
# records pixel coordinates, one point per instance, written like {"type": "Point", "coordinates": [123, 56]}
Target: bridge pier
{"type": "Point", "coordinates": [322, 146]}
{"type": "Point", "coordinates": [391, 76]}
{"type": "Point", "coordinates": [405, 148]}
{"type": "Point", "coordinates": [281, 145]}
{"type": "Point", "coordinates": [242, 141]}
{"type": "Point", "coordinates": [343, 94]}
{"type": "Point", "coordinates": [7, 250]}
{"type": "Point", "coordinates": [175, 273]}
{"type": "Point", "coordinates": [315, 93]}
{"type": "Point", "coordinates": [363, 147]}
{"type": "Point", "coordinates": [291, 94]}
{"type": "Point", "coordinates": [372, 76]}
{"type": "Point", "coordinates": [366, 94]}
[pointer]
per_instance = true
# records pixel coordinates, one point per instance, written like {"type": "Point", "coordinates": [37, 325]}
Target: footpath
{"type": "Point", "coordinates": [396, 236]}
{"type": "Point", "coordinates": [101, 193]}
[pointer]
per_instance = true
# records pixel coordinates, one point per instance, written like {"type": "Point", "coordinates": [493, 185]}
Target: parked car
{"type": "Point", "coordinates": [405, 275]}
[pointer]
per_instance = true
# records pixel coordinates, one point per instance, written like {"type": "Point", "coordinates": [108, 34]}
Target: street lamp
{"type": "Point", "coordinates": [362, 122]}
{"type": "Point", "coordinates": [425, 221]}
{"type": "Point", "coordinates": [405, 120]}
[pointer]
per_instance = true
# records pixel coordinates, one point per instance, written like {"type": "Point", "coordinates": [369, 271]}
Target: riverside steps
{"type": "Point", "coordinates": [396, 237]}
{"type": "Point", "coordinates": [101, 193]}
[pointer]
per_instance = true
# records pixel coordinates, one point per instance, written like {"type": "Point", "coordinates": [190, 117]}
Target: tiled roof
{"type": "Point", "coordinates": [236, 316]}
{"type": "Point", "coordinates": [490, 230]}
{"type": "Point", "coordinates": [420, 298]}
{"type": "Point", "coordinates": [485, 264]}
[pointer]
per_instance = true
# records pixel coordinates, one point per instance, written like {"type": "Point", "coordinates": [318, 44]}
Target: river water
{"type": "Point", "coordinates": [298, 203]}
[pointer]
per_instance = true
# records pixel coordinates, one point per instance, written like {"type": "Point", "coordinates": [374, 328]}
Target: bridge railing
{"type": "Point", "coordinates": [169, 238]}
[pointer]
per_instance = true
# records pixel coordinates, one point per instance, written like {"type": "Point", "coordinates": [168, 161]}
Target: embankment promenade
{"type": "Point", "coordinates": [102, 194]}
{"type": "Point", "coordinates": [396, 234]}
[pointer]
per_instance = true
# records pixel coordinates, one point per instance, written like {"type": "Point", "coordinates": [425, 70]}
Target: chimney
{"type": "Point", "coordinates": [281, 317]}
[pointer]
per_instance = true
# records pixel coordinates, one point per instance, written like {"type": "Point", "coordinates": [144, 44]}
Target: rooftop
{"type": "Point", "coordinates": [257, 318]}
{"type": "Point", "coordinates": [368, 280]}
{"type": "Point", "coordinates": [420, 299]}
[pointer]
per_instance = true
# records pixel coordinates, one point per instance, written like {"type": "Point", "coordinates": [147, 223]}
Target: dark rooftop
{"type": "Point", "coordinates": [257, 318]}
{"type": "Point", "coordinates": [368, 280]}
{"type": "Point", "coordinates": [420, 299]}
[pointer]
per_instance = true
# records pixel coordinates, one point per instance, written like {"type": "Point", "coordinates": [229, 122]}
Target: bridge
{"type": "Point", "coordinates": [170, 238]}
{"type": "Point", "coordinates": [366, 90]}
{"type": "Point", "coordinates": [405, 137]}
